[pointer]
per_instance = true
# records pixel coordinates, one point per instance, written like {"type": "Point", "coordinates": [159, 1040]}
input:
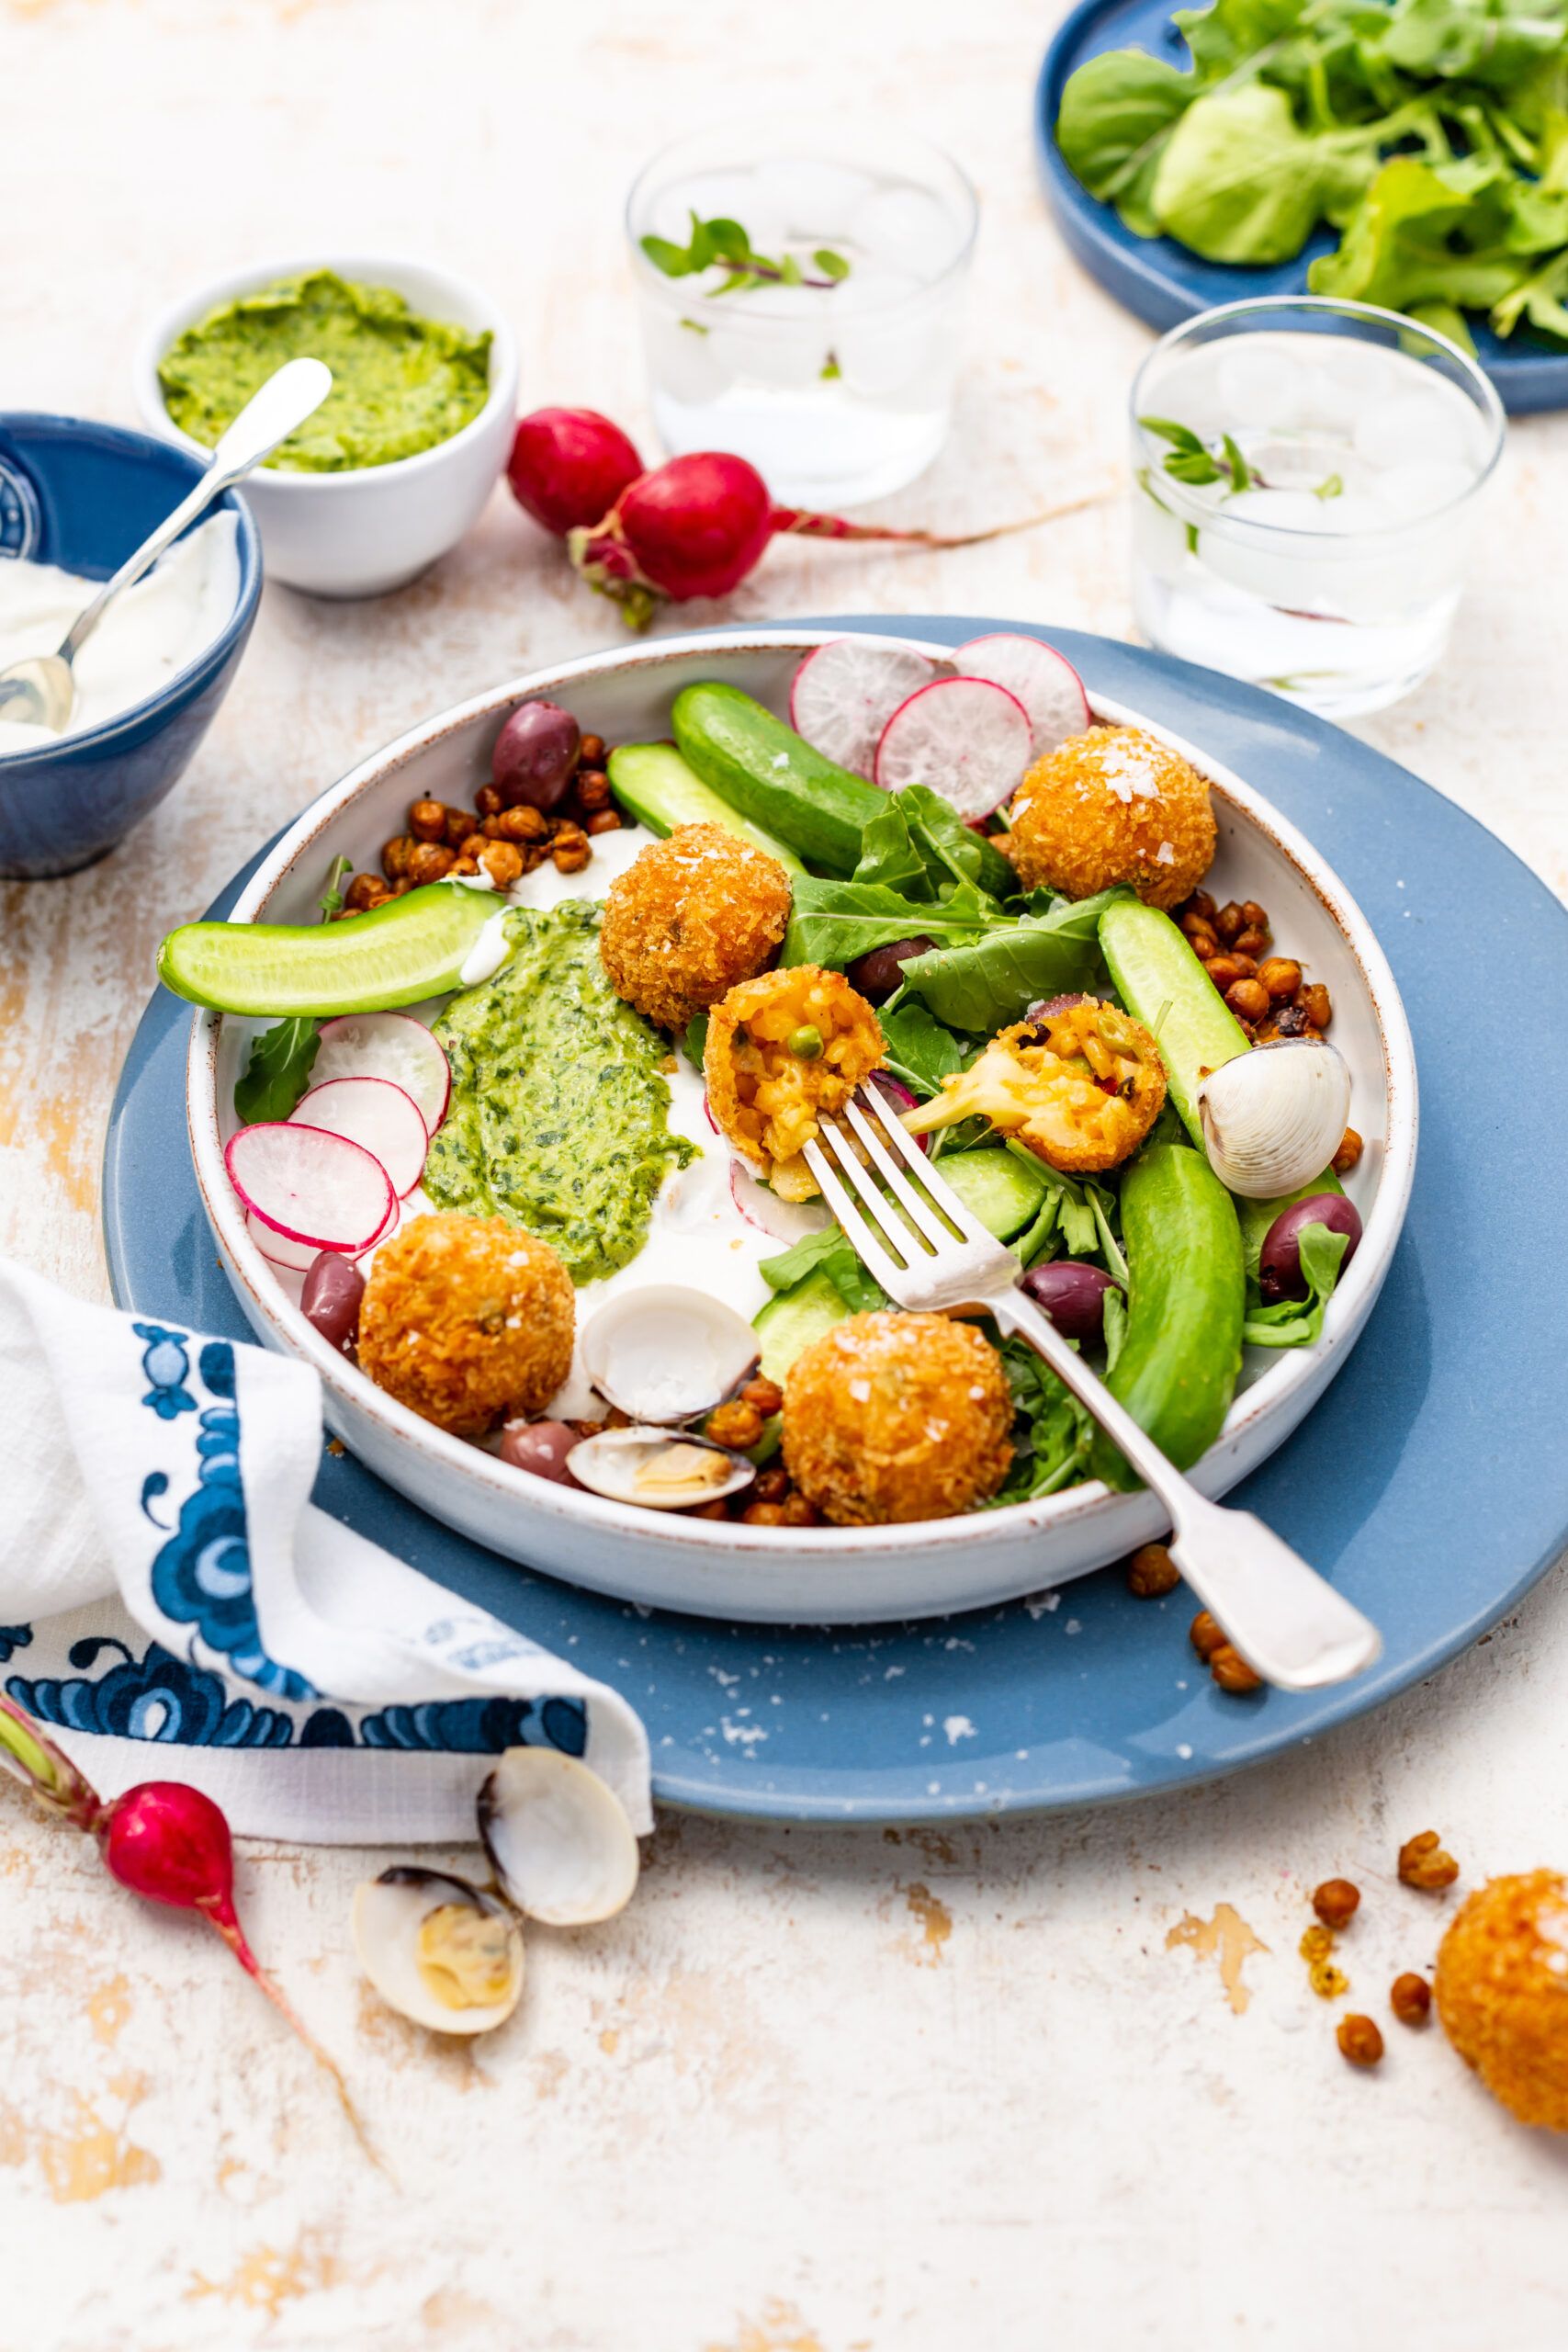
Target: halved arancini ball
{"type": "Point", "coordinates": [889, 1417]}
{"type": "Point", "coordinates": [1501, 1988]}
{"type": "Point", "coordinates": [689, 918]}
{"type": "Point", "coordinates": [466, 1319]}
{"type": "Point", "coordinates": [1113, 805]}
{"type": "Point", "coordinates": [783, 1050]}
{"type": "Point", "coordinates": [1080, 1086]}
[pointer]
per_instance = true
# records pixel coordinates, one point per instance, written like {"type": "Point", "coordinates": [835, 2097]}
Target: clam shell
{"type": "Point", "coordinates": [665, 1353]}
{"type": "Point", "coordinates": [660, 1468]}
{"type": "Point", "coordinates": [1274, 1119]}
{"type": "Point", "coordinates": [558, 1838]}
{"type": "Point", "coordinates": [391, 1913]}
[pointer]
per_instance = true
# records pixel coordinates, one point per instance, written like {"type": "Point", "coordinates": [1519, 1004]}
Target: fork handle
{"type": "Point", "coordinates": [1287, 1621]}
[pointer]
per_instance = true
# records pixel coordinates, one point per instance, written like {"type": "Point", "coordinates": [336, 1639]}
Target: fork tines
{"type": "Point", "coordinates": [876, 1231]}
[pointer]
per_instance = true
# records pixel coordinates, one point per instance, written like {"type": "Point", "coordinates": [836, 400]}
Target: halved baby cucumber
{"type": "Point", "coordinates": [1187, 1295]}
{"type": "Point", "coordinates": [398, 953]}
{"type": "Point", "coordinates": [789, 1323]}
{"type": "Point", "coordinates": [1003, 1194]}
{"type": "Point", "coordinates": [1162, 984]}
{"type": "Point", "coordinates": [767, 771]}
{"type": "Point", "coordinates": [662, 790]}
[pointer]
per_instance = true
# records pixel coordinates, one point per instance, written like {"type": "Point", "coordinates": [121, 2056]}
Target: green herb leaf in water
{"type": "Point", "coordinates": [277, 1072]}
{"type": "Point", "coordinates": [725, 244]}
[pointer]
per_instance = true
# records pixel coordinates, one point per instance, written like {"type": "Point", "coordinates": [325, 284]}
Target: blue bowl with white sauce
{"type": "Point", "coordinates": [77, 498]}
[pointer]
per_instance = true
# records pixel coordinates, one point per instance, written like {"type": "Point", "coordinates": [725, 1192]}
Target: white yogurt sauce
{"type": "Point", "coordinates": [696, 1236]}
{"type": "Point", "coordinates": [149, 633]}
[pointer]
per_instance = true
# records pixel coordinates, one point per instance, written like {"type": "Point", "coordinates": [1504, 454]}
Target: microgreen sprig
{"type": "Point", "coordinates": [727, 245]}
{"type": "Point", "coordinates": [1191, 460]}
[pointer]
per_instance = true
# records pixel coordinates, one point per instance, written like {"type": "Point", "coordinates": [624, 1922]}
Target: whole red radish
{"type": "Point", "coordinates": [698, 524]}
{"type": "Point", "coordinates": [569, 466]}
{"type": "Point", "coordinates": [164, 1841]}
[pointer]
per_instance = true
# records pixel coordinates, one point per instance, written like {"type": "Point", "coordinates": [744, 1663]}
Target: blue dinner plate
{"type": "Point", "coordinates": [1431, 1482]}
{"type": "Point", "coordinates": [1164, 283]}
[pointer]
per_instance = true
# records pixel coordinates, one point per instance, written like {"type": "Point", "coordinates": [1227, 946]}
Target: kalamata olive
{"type": "Point", "coordinates": [898, 1099]}
{"type": "Point", "coordinates": [878, 973]}
{"type": "Point", "coordinates": [1049, 1006]}
{"type": "Point", "coordinates": [330, 1298]}
{"type": "Point", "coordinates": [1072, 1296]}
{"type": "Point", "coordinates": [534, 755]}
{"type": "Point", "coordinates": [541, 1448]}
{"type": "Point", "coordinates": [1280, 1271]}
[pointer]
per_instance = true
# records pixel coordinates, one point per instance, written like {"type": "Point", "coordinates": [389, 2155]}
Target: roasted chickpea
{"type": "Point", "coordinates": [1281, 975]}
{"type": "Point", "coordinates": [489, 801]}
{"type": "Point", "coordinates": [1193, 919]}
{"type": "Point", "coordinates": [1204, 943]}
{"type": "Point", "coordinates": [1249, 1000]}
{"type": "Point", "coordinates": [736, 1424]}
{"type": "Point", "coordinates": [503, 863]}
{"type": "Point", "coordinates": [772, 1485]}
{"type": "Point", "coordinates": [1410, 1998]}
{"type": "Point", "coordinates": [460, 824]}
{"type": "Point", "coordinates": [474, 845]}
{"type": "Point", "coordinates": [1251, 912]}
{"type": "Point", "coordinates": [520, 824]}
{"type": "Point", "coordinates": [430, 862]}
{"type": "Point", "coordinates": [570, 855]}
{"type": "Point", "coordinates": [366, 890]}
{"type": "Point", "coordinates": [395, 856]}
{"type": "Point", "coordinates": [765, 1395]}
{"type": "Point", "coordinates": [1250, 942]}
{"type": "Point", "coordinates": [591, 751]}
{"type": "Point", "coordinates": [1316, 1003]}
{"type": "Point", "coordinates": [1231, 1670]}
{"type": "Point", "coordinates": [1206, 1635]}
{"type": "Point", "coordinates": [1423, 1864]}
{"type": "Point", "coordinates": [604, 820]}
{"type": "Point", "coordinates": [1229, 921]}
{"type": "Point", "coordinates": [1348, 1153]}
{"type": "Point", "coordinates": [1151, 1573]}
{"type": "Point", "coordinates": [763, 1515]}
{"type": "Point", "coordinates": [1225, 971]}
{"type": "Point", "coordinates": [798, 1512]}
{"type": "Point", "coordinates": [1200, 903]}
{"type": "Point", "coordinates": [428, 822]}
{"type": "Point", "coordinates": [1337, 1901]}
{"type": "Point", "coordinates": [1359, 2040]}
{"type": "Point", "coordinates": [593, 789]}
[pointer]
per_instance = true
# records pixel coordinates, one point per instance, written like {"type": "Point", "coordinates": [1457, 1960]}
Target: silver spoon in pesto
{"type": "Point", "coordinates": [39, 692]}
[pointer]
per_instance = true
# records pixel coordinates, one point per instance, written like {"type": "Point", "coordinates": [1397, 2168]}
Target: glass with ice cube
{"type": "Point", "coordinates": [1307, 478]}
{"type": "Point", "coordinates": [832, 365]}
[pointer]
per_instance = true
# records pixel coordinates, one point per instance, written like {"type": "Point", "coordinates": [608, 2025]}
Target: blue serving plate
{"type": "Point", "coordinates": [1164, 283]}
{"type": "Point", "coordinates": [1430, 1482]}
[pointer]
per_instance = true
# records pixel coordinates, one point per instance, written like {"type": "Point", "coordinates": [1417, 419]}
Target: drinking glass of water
{"type": "Point", "coordinates": [1307, 478]}
{"type": "Point", "coordinates": [800, 283]}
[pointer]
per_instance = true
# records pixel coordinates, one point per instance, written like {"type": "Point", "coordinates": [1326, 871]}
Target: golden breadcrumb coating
{"type": "Point", "coordinates": [1113, 805]}
{"type": "Point", "coordinates": [468, 1318]}
{"type": "Point", "coordinates": [1080, 1086]}
{"type": "Point", "coordinates": [1501, 1987]}
{"type": "Point", "coordinates": [690, 917]}
{"type": "Point", "coordinates": [783, 1050]}
{"type": "Point", "coordinates": [889, 1417]}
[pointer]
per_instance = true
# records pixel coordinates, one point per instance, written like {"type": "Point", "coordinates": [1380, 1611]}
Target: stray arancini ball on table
{"type": "Point", "coordinates": [688, 919]}
{"type": "Point", "coordinates": [1501, 1988]}
{"type": "Point", "coordinates": [889, 1417]}
{"type": "Point", "coordinates": [466, 1319]}
{"type": "Point", "coordinates": [1113, 805]}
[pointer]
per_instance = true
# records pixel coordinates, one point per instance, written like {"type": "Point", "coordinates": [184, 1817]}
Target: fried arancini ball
{"type": "Point", "coordinates": [690, 917]}
{"type": "Point", "coordinates": [1080, 1086]}
{"type": "Point", "coordinates": [1501, 1987]}
{"type": "Point", "coordinates": [1113, 805]}
{"type": "Point", "coordinates": [889, 1417]}
{"type": "Point", "coordinates": [467, 1319]}
{"type": "Point", "coordinates": [783, 1050]}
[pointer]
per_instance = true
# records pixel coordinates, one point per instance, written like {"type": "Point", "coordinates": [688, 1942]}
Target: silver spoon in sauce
{"type": "Point", "coordinates": [41, 690]}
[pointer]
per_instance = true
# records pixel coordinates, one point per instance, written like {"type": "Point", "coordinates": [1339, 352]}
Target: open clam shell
{"type": "Point", "coordinates": [558, 1838]}
{"type": "Point", "coordinates": [439, 1949]}
{"type": "Point", "coordinates": [667, 1354]}
{"type": "Point", "coordinates": [660, 1468]}
{"type": "Point", "coordinates": [1274, 1119]}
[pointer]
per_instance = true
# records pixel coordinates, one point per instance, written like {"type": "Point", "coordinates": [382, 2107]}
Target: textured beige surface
{"type": "Point", "coordinates": [814, 2093]}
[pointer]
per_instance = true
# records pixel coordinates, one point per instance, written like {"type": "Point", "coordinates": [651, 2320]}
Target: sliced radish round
{"type": "Point", "coordinates": [707, 1113]}
{"type": "Point", "coordinates": [311, 1186]}
{"type": "Point", "coordinates": [963, 736]}
{"type": "Point", "coordinates": [785, 1221]}
{"type": "Point", "coordinates": [845, 691]}
{"type": "Point", "coordinates": [387, 1045]}
{"type": "Point", "coordinates": [297, 1255]}
{"type": "Point", "coordinates": [375, 1112]}
{"type": "Point", "coordinates": [1044, 681]}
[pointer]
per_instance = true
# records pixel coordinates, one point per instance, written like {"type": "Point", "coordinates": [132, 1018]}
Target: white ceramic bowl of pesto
{"type": "Point", "coordinates": [812, 1574]}
{"type": "Point", "coordinates": [364, 532]}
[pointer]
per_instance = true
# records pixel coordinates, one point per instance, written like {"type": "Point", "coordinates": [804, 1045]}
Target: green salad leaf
{"type": "Point", "coordinates": [1051, 1434]}
{"type": "Point", "coordinates": [832, 922]}
{"type": "Point", "coordinates": [830, 1253]}
{"type": "Point", "coordinates": [920, 1052]}
{"type": "Point", "coordinates": [1298, 1323]}
{"type": "Point", "coordinates": [277, 1072]}
{"type": "Point", "coordinates": [981, 984]}
{"type": "Point", "coordinates": [1118, 111]}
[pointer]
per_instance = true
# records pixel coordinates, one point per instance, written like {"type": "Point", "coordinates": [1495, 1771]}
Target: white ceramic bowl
{"type": "Point", "coordinates": [363, 533]}
{"type": "Point", "coordinates": [810, 1575]}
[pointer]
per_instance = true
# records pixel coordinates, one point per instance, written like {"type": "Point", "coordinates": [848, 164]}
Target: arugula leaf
{"type": "Point", "coordinates": [978, 985]}
{"type": "Point", "coordinates": [830, 1253]}
{"type": "Point", "coordinates": [1429, 234]}
{"type": "Point", "coordinates": [1298, 1323]}
{"type": "Point", "coordinates": [277, 1072]}
{"type": "Point", "coordinates": [833, 922]}
{"type": "Point", "coordinates": [889, 858]}
{"type": "Point", "coordinates": [920, 1050]}
{"type": "Point", "coordinates": [1051, 1434]}
{"type": "Point", "coordinates": [1118, 111]}
{"type": "Point", "coordinates": [1486, 41]}
{"type": "Point", "coordinates": [952, 849]}
{"type": "Point", "coordinates": [1239, 182]}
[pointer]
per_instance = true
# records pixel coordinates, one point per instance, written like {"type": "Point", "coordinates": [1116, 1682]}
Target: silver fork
{"type": "Point", "coordinates": [1290, 1625]}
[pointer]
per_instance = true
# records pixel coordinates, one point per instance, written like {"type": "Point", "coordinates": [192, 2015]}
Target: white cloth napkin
{"type": "Point", "coordinates": [172, 1605]}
